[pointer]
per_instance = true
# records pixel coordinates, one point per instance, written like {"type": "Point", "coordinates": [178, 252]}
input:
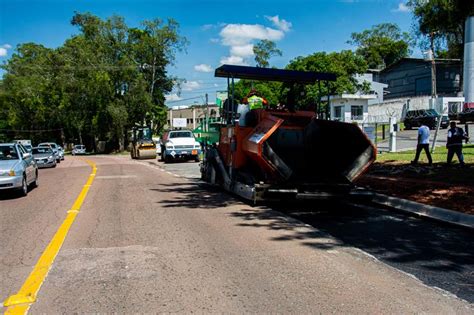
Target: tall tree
{"type": "Point", "coordinates": [443, 19]}
{"type": "Point", "coordinates": [344, 64]}
{"type": "Point", "coordinates": [98, 84]}
{"type": "Point", "coordinates": [382, 45]}
{"type": "Point", "coordinates": [264, 50]}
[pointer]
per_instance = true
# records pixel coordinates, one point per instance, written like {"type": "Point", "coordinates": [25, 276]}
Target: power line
{"type": "Point", "coordinates": [31, 131]}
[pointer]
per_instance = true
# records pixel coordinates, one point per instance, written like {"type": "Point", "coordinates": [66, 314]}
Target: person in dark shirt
{"type": "Point", "coordinates": [454, 145]}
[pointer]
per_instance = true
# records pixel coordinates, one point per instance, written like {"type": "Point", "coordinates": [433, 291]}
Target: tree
{"type": "Point", "coordinates": [382, 45]}
{"type": "Point", "coordinates": [443, 19]}
{"type": "Point", "coordinates": [264, 50]}
{"type": "Point", "coordinates": [345, 64]}
{"type": "Point", "coordinates": [95, 86]}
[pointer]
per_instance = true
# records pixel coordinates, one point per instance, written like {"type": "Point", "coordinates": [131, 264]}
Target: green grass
{"type": "Point", "coordinates": [439, 156]}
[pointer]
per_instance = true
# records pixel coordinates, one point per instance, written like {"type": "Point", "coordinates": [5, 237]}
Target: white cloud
{"type": "Point", "coordinates": [207, 27]}
{"type": "Point", "coordinates": [190, 85]}
{"type": "Point", "coordinates": [234, 60]}
{"type": "Point", "coordinates": [402, 7]}
{"type": "Point", "coordinates": [282, 24]}
{"type": "Point", "coordinates": [243, 34]}
{"type": "Point", "coordinates": [4, 50]}
{"type": "Point", "coordinates": [203, 68]}
{"type": "Point", "coordinates": [242, 51]}
{"type": "Point", "coordinates": [173, 97]}
{"type": "Point", "coordinates": [240, 38]}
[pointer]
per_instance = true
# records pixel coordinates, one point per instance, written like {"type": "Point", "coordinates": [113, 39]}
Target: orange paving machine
{"type": "Point", "coordinates": [275, 154]}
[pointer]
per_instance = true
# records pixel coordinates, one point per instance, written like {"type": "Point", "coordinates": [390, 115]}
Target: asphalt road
{"type": "Point", "coordinates": [407, 139]}
{"type": "Point", "coordinates": [148, 239]}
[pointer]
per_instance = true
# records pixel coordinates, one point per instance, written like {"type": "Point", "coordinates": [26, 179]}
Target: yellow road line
{"type": "Point", "coordinates": [21, 302]}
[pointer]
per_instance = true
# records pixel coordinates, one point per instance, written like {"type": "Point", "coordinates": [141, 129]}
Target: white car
{"type": "Point", "coordinates": [180, 145]}
{"type": "Point", "coordinates": [55, 148]}
{"type": "Point", "coordinates": [79, 149]}
{"type": "Point", "coordinates": [18, 168]}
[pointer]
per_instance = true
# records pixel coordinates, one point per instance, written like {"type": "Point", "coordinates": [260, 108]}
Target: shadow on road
{"type": "Point", "coordinates": [439, 255]}
{"type": "Point", "coordinates": [195, 194]}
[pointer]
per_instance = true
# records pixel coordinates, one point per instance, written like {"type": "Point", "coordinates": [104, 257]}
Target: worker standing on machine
{"type": "Point", "coordinates": [255, 101]}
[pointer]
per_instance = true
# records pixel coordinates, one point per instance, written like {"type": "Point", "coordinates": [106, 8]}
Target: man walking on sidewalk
{"type": "Point", "coordinates": [455, 137]}
{"type": "Point", "coordinates": [423, 144]}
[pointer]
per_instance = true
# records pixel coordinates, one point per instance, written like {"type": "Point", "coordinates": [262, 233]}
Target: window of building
{"type": "Point", "coordinates": [338, 112]}
{"type": "Point", "coordinates": [357, 112]}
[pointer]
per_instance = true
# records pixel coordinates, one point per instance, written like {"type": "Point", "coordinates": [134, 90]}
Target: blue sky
{"type": "Point", "coordinates": [218, 32]}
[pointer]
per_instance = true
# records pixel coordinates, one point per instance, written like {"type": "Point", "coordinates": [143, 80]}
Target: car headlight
{"type": "Point", "coordinates": [170, 146]}
{"type": "Point", "coordinates": [11, 173]}
{"type": "Point", "coordinates": [50, 157]}
{"type": "Point", "coordinates": [197, 146]}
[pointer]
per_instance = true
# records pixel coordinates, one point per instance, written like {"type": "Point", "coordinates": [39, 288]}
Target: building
{"type": "Point", "coordinates": [376, 88]}
{"type": "Point", "coordinates": [350, 107]}
{"type": "Point", "coordinates": [411, 77]}
{"type": "Point", "coordinates": [194, 114]}
{"type": "Point", "coordinates": [408, 87]}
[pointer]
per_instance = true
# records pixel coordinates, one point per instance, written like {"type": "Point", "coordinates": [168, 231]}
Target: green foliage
{"type": "Point", "coordinates": [445, 20]}
{"type": "Point", "coordinates": [382, 45]}
{"type": "Point", "coordinates": [264, 50]}
{"type": "Point", "coordinates": [344, 64]}
{"type": "Point", "coordinates": [97, 84]}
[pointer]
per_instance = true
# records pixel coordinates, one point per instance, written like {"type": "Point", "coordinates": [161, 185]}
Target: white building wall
{"type": "Point", "coordinates": [397, 107]}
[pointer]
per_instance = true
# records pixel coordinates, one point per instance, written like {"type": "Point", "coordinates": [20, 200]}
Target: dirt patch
{"type": "Point", "coordinates": [438, 185]}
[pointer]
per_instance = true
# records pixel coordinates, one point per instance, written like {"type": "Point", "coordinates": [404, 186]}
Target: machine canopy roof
{"type": "Point", "coordinates": [269, 74]}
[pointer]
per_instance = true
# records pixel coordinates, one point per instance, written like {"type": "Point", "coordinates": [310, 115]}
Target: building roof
{"type": "Point", "coordinates": [420, 60]}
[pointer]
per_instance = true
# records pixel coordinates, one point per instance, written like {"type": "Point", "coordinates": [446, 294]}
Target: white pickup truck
{"type": "Point", "coordinates": [179, 145]}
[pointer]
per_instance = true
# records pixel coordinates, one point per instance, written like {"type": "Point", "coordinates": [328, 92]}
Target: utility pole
{"type": "Point", "coordinates": [433, 90]}
{"type": "Point", "coordinates": [433, 66]}
{"type": "Point", "coordinates": [207, 113]}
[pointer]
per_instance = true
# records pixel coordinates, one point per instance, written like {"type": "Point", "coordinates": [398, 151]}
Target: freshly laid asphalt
{"type": "Point", "coordinates": [440, 255]}
{"type": "Point", "coordinates": [148, 239]}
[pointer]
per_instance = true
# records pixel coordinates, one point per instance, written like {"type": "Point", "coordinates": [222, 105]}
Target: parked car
{"type": "Point", "coordinates": [61, 152]}
{"type": "Point", "coordinates": [28, 147]}
{"type": "Point", "coordinates": [53, 147]}
{"type": "Point", "coordinates": [78, 149]}
{"type": "Point", "coordinates": [44, 157]}
{"type": "Point", "coordinates": [18, 168]}
{"type": "Point", "coordinates": [466, 115]}
{"type": "Point", "coordinates": [427, 117]}
{"type": "Point", "coordinates": [26, 144]}
{"type": "Point", "coordinates": [179, 145]}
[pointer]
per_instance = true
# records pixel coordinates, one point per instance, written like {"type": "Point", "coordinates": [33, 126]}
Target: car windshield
{"type": "Point", "coordinates": [181, 134]}
{"type": "Point", "coordinates": [42, 150]}
{"type": "Point", "coordinates": [8, 152]}
{"type": "Point", "coordinates": [47, 145]}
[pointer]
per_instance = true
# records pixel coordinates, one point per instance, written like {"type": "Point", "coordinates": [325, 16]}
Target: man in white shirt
{"type": "Point", "coordinates": [423, 144]}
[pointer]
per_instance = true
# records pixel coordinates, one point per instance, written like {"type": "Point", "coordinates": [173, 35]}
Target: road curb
{"type": "Point", "coordinates": [436, 213]}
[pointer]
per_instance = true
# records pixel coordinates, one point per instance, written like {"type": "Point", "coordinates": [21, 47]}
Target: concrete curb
{"type": "Point", "coordinates": [436, 213]}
